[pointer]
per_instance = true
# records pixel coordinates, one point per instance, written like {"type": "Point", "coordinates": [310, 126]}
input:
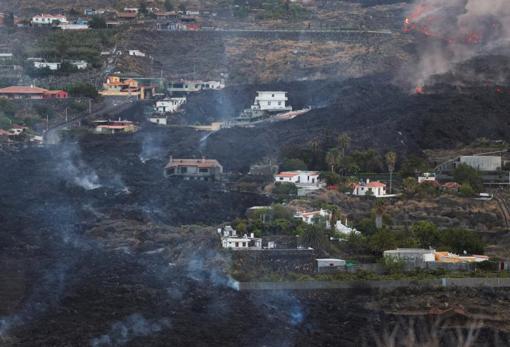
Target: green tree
{"type": "Point", "coordinates": [409, 185]}
{"type": "Point", "coordinates": [97, 22]}
{"type": "Point", "coordinates": [314, 236]}
{"type": "Point", "coordinates": [344, 141]}
{"type": "Point", "coordinates": [383, 240]}
{"type": "Point", "coordinates": [284, 191]}
{"type": "Point", "coordinates": [467, 174]}
{"type": "Point", "coordinates": [333, 158]}
{"type": "Point", "coordinates": [391, 160]}
{"type": "Point", "coordinates": [379, 209]}
{"type": "Point", "coordinates": [426, 233]}
{"type": "Point", "coordinates": [293, 164]}
{"type": "Point", "coordinates": [458, 240]}
{"type": "Point", "coordinates": [412, 166]}
{"type": "Point", "coordinates": [466, 190]}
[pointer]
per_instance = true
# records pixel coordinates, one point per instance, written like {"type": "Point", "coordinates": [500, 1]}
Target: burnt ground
{"type": "Point", "coordinates": [373, 111]}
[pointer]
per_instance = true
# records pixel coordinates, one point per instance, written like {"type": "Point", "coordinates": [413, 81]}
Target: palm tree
{"type": "Point", "coordinates": [391, 160]}
{"type": "Point", "coordinates": [333, 158]}
{"type": "Point", "coordinates": [379, 209]}
{"type": "Point", "coordinates": [344, 141]}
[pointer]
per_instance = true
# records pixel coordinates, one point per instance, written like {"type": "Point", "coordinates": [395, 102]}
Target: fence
{"type": "Point", "coordinates": [471, 282]}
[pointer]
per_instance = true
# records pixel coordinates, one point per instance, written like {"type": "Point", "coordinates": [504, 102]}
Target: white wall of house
{"type": "Point", "coordinates": [169, 105]}
{"type": "Point", "coordinates": [44, 65]}
{"type": "Point", "coordinates": [79, 64]}
{"type": "Point", "coordinates": [271, 101]}
{"type": "Point", "coordinates": [136, 53]}
{"type": "Point", "coordinates": [299, 178]}
{"type": "Point", "coordinates": [158, 120]}
{"type": "Point", "coordinates": [48, 19]}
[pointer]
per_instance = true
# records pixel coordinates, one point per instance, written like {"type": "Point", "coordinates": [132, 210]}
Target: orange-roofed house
{"type": "Point", "coordinates": [30, 92]}
{"type": "Point", "coordinates": [368, 188]}
{"type": "Point", "coordinates": [194, 169]}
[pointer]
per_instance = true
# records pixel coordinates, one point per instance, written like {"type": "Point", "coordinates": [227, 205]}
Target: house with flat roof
{"type": "Point", "coordinates": [194, 169]}
{"type": "Point", "coordinates": [271, 101]}
{"type": "Point", "coordinates": [48, 19]}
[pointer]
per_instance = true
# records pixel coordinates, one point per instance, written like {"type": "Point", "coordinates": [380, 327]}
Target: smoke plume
{"type": "Point", "coordinates": [454, 31]}
{"type": "Point", "coordinates": [133, 326]}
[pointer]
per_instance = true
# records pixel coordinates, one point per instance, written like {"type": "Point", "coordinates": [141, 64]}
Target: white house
{"type": "Point", "coordinates": [271, 101]}
{"type": "Point", "coordinates": [6, 56]}
{"type": "Point", "coordinates": [230, 239]}
{"type": "Point", "coordinates": [48, 19]}
{"type": "Point", "coordinates": [375, 188]}
{"type": "Point", "coordinates": [170, 105]}
{"type": "Point", "coordinates": [344, 229]}
{"type": "Point", "coordinates": [79, 64]}
{"type": "Point", "coordinates": [427, 177]}
{"type": "Point", "coordinates": [314, 216]}
{"type": "Point", "coordinates": [299, 178]}
{"type": "Point", "coordinates": [73, 26]}
{"type": "Point", "coordinates": [45, 64]}
{"type": "Point", "coordinates": [159, 120]}
{"type": "Point", "coordinates": [136, 53]}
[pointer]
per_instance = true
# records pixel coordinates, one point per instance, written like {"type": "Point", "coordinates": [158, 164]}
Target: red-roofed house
{"type": "Point", "coordinates": [31, 92]}
{"type": "Point", "coordinates": [375, 188]}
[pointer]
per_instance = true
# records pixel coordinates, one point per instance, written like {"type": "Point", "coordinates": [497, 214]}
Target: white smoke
{"type": "Point", "coordinates": [453, 32]}
{"type": "Point", "coordinates": [74, 170]}
{"type": "Point", "coordinates": [133, 326]}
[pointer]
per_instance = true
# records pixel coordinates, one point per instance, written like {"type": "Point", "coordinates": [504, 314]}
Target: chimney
{"type": "Point", "coordinates": [252, 235]}
{"type": "Point", "coordinates": [203, 159]}
{"type": "Point", "coordinates": [368, 180]}
{"type": "Point", "coordinates": [171, 159]}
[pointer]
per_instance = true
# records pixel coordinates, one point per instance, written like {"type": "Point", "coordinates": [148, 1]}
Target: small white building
{"type": "Point", "coordinates": [136, 53]}
{"type": "Point", "coordinates": [415, 257]}
{"type": "Point", "coordinates": [299, 178]}
{"type": "Point", "coordinates": [48, 19]}
{"type": "Point", "coordinates": [230, 239]}
{"type": "Point", "coordinates": [169, 105]}
{"type": "Point", "coordinates": [271, 101]}
{"type": "Point", "coordinates": [47, 65]}
{"type": "Point", "coordinates": [482, 162]}
{"type": "Point", "coordinates": [330, 264]}
{"type": "Point", "coordinates": [79, 64]}
{"type": "Point", "coordinates": [6, 56]}
{"type": "Point", "coordinates": [161, 120]}
{"type": "Point", "coordinates": [344, 229]}
{"type": "Point", "coordinates": [73, 26]}
{"type": "Point", "coordinates": [427, 177]}
{"type": "Point", "coordinates": [314, 216]}
{"type": "Point", "coordinates": [368, 188]}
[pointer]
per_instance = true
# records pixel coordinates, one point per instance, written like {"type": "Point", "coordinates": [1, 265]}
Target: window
{"type": "Point", "coordinates": [269, 103]}
{"type": "Point", "coordinates": [203, 170]}
{"type": "Point", "coordinates": [170, 171]}
{"type": "Point", "coordinates": [184, 170]}
{"type": "Point", "coordinates": [279, 103]}
{"type": "Point", "coordinates": [272, 95]}
{"type": "Point", "coordinates": [237, 244]}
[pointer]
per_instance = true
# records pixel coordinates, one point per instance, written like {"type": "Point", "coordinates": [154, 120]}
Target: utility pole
{"type": "Point", "coordinates": [90, 106]}
{"type": "Point", "coordinates": [66, 116]}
